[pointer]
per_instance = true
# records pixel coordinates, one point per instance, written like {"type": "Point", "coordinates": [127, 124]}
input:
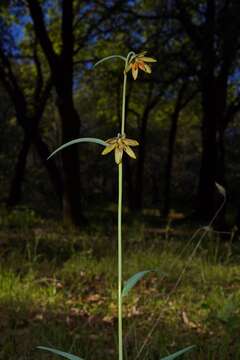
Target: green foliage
{"type": "Point", "coordinates": [133, 280]}
{"type": "Point", "coordinates": [71, 303]}
{"type": "Point", "coordinates": [60, 353]}
{"type": "Point", "coordinates": [20, 218]}
{"type": "Point", "coordinates": [178, 353]}
{"type": "Point", "coordinates": [77, 141]}
{"type": "Point", "coordinates": [224, 308]}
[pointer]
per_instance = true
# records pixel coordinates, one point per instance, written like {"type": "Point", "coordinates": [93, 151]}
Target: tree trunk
{"type": "Point", "coordinates": [15, 193]}
{"type": "Point", "coordinates": [213, 151]}
{"type": "Point", "coordinates": [212, 170]}
{"type": "Point", "coordinates": [206, 191]}
{"type": "Point", "coordinates": [220, 178]}
{"type": "Point", "coordinates": [138, 193]}
{"type": "Point", "coordinates": [171, 146]}
{"type": "Point", "coordinates": [169, 163]}
{"type": "Point", "coordinates": [61, 66]}
{"type": "Point", "coordinates": [72, 210]}
{"type": "Point", "coordinates": [50, 165]}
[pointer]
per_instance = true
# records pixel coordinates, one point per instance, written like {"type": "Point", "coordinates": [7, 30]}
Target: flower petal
{"type": "Point", "coordinates": [129, 151]}
{"type": "Point", "coordinates": [148, 59]}
{"type": "Point", "coordinates": [108, 149]}
{"type": "Point", "coordinates": [141, 54]}
{"type": "Point", "coordinates": [111, 141]}
{"type": "Point", "coordinates": [118, 155]}
{"type": "Point", "coordinates": [141, 65]}
{"type": "Point", "coordinates": [130, 142]}
{"type": "Point", "coordinates": [148, 69]}
{"type": "Point", "coordinates": [135, 72]}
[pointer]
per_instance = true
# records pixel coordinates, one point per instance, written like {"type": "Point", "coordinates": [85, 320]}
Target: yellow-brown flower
{"type": "Point", "coordinates": [139, 62]}
{"type": "Point", "coordinates": [120, 144]}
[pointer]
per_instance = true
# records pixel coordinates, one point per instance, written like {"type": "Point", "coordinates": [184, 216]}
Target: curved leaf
{"type": "Point", "coordinates": [60, 353]}
{"type": "Point", "coordinates": [80, 140]}
{"type": "Point", "coordinates": [109, 58]}
{"type": "Point", "coordinates": [133, 280]}
{"type": "Point", "coordinates": [178, 353]}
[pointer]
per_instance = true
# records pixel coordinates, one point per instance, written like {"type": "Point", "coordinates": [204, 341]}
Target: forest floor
{"type": "Point", "coordinates": [58, 289]}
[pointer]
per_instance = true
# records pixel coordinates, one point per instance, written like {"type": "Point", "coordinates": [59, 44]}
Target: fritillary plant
{"type": "Point", "coordinates": [120, 144]}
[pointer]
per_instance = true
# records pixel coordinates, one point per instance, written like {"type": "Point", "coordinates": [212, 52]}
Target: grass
{"type": "Point", "coordinates": [58, 288]}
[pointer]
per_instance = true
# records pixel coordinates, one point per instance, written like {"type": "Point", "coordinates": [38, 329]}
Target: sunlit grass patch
{"type": "Point", "coordinates": [28, 290]}
{"type": "Point", "coordinates": [62, 301]}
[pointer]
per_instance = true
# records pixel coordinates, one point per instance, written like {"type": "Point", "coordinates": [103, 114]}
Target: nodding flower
{"type": "Point", "coordinates": [139, 62]}
{"type": "Point", "coordinates": [120, 144]}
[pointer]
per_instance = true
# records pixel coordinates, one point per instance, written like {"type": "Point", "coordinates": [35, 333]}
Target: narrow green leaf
{"type": "Point", "coordinates": [221, 189]}
{"type": "Point", "coordinates": [80, 140]}
{"type": "Point", "coordinates": [178, 353]}
{"type": "Point", "coordinates": [109, 58]}
{"type": "Point", "coordinates": [133, 280]}
{"type": "Point", "coordinates": [60, 353]}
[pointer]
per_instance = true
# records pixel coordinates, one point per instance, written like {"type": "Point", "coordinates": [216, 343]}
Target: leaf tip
{"type": "Point", "coordinates": [220, 189]}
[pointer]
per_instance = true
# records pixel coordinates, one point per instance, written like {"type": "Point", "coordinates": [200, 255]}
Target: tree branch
{"type": "Point", "coordinates": [193, 31]}
{"type": "Point", "coordinates": [42, 34]}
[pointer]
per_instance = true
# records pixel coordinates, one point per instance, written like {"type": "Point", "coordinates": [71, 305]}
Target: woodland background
{"type": "Point", "coordinates": [185, 115]}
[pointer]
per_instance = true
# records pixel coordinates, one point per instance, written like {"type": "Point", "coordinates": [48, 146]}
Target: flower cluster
{"type": "Point", "coordinates": [120, 144]}
{"type": "Point", "coordinates": [139, 62]}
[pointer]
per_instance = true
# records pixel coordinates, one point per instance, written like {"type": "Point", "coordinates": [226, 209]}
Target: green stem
{"type": "Point", "coordinates": [120, 333]}
{"type": "Point", "coordinates": [124, 103]}
{"type": "Point", "coordinates": [124, 92]}
{"type": "Point", "coordinates": [120, 186]}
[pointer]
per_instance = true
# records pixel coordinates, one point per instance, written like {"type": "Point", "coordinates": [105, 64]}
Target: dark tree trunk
{"type": "Point", "coordinates": [171, 145]}
{"type": "Point", "coordinates": [217, 40]}
{"type": "Point", "coordinates": [72, 211]}
{"type": "Point", "coordinates": [155, 189]}
{"type": "Point", "coordinates": [220, 177]}
{"type": "Point", "coordinates": [29, 124]}
{"type": "Point", "coordinates": [50, 165]}
{"type": "Point", "coordinates": [213, 163]}
{"type": "Point", "coordinates": [138, 193]}
{"type": "Point", "coordinates": [33, 137]}
{"type": "Point", "coordinates": [213, 150]}
{"type": "Point", "coordinates": [15, 193]}
{"type": "Point", "coordinates": [139, 188]}
{"type": "Point", "coordinates": [220, 222]}
{"type": "Point", "coordinates": [61, 67]}
{"type": "Point", "coordinates": [169, 163]}
{"type": "Point", "coordinates": [206, 192]}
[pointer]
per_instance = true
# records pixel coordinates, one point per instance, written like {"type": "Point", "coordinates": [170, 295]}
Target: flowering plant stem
{"type": "Point", "coordinates": [120, 334]}
{"type": "Point", "coordinates": [120, 186]}
{"type": "Point", "coordinates": [120, 144]}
